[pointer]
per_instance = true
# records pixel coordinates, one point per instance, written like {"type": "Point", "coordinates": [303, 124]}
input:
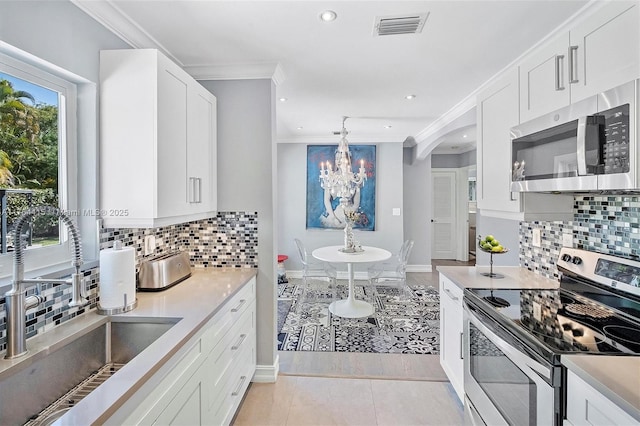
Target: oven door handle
{"type": "Point", "coordinates": [515, 355]}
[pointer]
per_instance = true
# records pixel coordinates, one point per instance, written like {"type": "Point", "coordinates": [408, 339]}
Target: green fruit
{"type": "Point", "coordinates": [495, 242]}
{"type": "Point", "coordinates": [497, 249]}
{"type": "Point", "coordinates": [489, 238]}
{"type": "Point", "coordinates": [487, 246]}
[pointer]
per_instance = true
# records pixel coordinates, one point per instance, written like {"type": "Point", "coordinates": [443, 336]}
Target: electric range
{"type": "Point", "coordinates": [516, 337]}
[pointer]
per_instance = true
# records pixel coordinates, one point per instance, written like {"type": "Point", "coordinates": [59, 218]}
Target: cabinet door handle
{"type": "Point", "coordinates": [559, 72]}
{"type": "Point", "coordinates": [237, 308]}
{"type": "Point", "coordinates": [199, 193]}
{"type": "Point", "coordinates": [461, 345]}
{"type": "Point", "coordinates": [454, 298]}
{"type": "Point", "coordinates": [573, 64]}
{"type": "Point", "coordinates": [240, 340]}
{"type": "Point", "coordinates": [192, 189]}
{"type": "Point", "coordinates": [236, 392]}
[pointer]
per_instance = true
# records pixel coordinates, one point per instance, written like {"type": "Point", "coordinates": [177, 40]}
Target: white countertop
{"type": "Point", "coordinates": [514, 277]}
{"type": "Point", "coordinates": [194, 300]}
{"type": "Point", "coordinates": [615, 377]}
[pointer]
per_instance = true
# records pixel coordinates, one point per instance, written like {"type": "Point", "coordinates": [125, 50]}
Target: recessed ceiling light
{"type": "Point", "coordinates": [387, 127]}
{"type": "Point", "coordinates": [328, 16]}
{"type": "Point", "coordinates": [464, 136]}
{"type": "Point", "coordinates": [410, 97]}
{"type": "Point", "coordinates": [300, 128]}
{"type": "Point", "coordinates": [283, 99]}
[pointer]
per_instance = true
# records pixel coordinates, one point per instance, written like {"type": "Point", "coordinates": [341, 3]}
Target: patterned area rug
{"type": "Point", "coordinates": [404, 320]}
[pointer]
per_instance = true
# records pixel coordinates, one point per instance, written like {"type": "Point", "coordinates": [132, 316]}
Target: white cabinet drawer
{"type": "Point", "coordinates": [451, 291]}
{"type": "Point", "coordinates": [587, 406]}
{"type": "Point", "coordinates": [235, 383]}
{"type": "Point", "coordinates": [224, 353]}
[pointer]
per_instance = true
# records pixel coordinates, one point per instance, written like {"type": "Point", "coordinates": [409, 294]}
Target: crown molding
{"type": "Point", "coordinates": [427, 139]}
{"type": "Point", "coordinates": [333, 140]}
{"type": "Point", "coordinates": [115, 20]}
{"type": "Point", "coordinates": [248, 71]}
{"type": "Point", "coordinates": [278, 75]}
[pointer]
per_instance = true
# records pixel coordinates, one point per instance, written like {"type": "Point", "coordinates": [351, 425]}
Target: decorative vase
{"type": "Point", "coordinates": [348, 237]}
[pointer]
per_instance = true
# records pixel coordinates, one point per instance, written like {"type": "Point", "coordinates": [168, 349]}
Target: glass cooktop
{"type": "Point", "coordinates": [563, 322]}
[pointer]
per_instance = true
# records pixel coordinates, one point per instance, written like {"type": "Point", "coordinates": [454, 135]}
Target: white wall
{"type": "Point", "coordinates": [246, 111]}
{"type": "Point", "coordinates": [292, 176]}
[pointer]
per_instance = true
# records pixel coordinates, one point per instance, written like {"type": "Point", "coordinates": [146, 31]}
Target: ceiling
{"type": "Point", "coordinates": [327, 70]}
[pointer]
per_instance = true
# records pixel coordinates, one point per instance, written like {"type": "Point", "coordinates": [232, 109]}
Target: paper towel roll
{"type": "Point", "coordinates": [117, 277]}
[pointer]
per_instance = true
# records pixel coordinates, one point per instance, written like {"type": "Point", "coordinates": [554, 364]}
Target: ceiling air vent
{"type": "Point", "coordinates": [405, 24]}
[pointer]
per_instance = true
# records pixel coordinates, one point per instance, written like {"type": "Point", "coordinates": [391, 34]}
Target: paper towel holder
{"type": "Point", "coordinates": [126, 307]}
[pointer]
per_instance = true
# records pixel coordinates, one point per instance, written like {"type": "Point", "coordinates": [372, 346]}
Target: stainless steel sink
{"type": "Point", "coordinates": [33, 385]}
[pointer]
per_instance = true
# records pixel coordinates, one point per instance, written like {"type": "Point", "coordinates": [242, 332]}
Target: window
{"type": "Point", "coordinates": [40, 116]}
{"type": "Point", "coordinates": [30, 143]}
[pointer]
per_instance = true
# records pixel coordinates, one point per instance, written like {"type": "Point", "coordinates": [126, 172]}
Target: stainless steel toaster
{"type": "Point", "coordinates": [162, 272]}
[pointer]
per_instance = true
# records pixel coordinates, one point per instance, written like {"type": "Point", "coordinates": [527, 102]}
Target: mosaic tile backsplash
{"type": "Point", "coordinates": [604, 224]}
{"type": "Point", "coordinates": [230, 239]}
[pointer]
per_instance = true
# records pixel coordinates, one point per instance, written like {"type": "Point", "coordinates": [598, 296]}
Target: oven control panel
{"type": "Point", "coordinates": [612, 271]}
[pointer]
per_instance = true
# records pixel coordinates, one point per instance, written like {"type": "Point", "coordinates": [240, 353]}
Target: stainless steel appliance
{"type": "Point", "coordinates": [588, 146]}
{"type": "Point", "coordinates": [164, 271]}
{"type": "Point", "coordinates": [515, 338]}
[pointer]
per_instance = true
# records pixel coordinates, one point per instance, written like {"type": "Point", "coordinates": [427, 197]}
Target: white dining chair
{"type": "Point", "coordinates": [314, 269]}
{"type": "Point", "coordinates": [393, 272]}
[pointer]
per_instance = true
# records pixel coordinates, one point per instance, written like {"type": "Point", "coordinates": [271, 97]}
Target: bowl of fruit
{"type": "Point", "coordinates": [490, 244]}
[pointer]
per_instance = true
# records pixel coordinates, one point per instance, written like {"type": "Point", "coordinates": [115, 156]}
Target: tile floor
{"type": "Point", "coordinates": [299, 400]}
{"type": "Point", "coordinates": [312, 395]}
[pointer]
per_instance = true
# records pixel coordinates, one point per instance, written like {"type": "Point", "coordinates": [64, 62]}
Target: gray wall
{"type": "Point", "coordinates": [58, 32]}
{"type": "Point", "coordinates": [292, 192]}
{"type": "Point", "coordinates": [507, 232]}
{"type": "Point", "coordinates": [417, 207]}
{"type": "Point", "coordinates": [453, 161]}
{"type": "Point", "coordinates": [245, 174]}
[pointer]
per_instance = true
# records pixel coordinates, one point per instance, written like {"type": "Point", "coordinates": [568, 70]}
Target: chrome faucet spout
{"type": "Point", "coordinates": [16, 302]}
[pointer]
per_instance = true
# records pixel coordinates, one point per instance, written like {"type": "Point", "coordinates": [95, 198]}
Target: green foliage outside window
{"type": "Point", "coordinates": [28, 155]}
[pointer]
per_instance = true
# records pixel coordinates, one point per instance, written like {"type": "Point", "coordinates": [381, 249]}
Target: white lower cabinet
{"type": "Point", "coordinates": [587, 406]}
{"type": "Point", "coordinates": [209, 379]}
{"type": "Point", "coordinates": [451, 334]}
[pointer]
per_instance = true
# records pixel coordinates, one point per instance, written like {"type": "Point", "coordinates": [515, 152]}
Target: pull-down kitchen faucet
{"type": "Point", "coordinates": [16, 302]}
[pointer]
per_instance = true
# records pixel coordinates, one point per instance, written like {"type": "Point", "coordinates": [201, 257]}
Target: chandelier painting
{"type": "Point", "coordinates": [341, 185]}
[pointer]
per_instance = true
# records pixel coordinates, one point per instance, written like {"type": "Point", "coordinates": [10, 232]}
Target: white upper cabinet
{"type": "Point", "coordinates": [157, 141]}
{"type": "Point", "coordinates": [201, 150]}
{"type": "Point", "coordinates": [605, 49]}
{"type": "Point", "coordinates": [497, 112]}
{"type": "Point", "coordinates": [601, 52]}
{"type": "Point", "coordinates": [543, 81]}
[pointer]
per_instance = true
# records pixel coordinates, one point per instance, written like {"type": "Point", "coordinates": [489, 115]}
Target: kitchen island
{"type": "Point", "coordinates": [199, 305]}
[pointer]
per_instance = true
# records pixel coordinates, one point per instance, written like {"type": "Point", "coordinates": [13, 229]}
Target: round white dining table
{"type": "Point", "coordinates": [350, 307]}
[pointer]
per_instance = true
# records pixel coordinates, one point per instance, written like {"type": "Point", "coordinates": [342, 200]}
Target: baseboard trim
{"type": "Point", "coordinates": [419, 268]}
{"type": "Point", "coordinates": [267, 373]}
{"type": "Point", "coordinates": [342, 275]}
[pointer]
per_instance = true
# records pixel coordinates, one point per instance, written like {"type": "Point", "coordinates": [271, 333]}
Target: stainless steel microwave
{"type": "Point", "coordinates": [589, 146]}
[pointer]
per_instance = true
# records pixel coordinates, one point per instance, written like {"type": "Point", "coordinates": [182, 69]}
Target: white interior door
{"type": "Point", "coordinates": [443, 214]}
